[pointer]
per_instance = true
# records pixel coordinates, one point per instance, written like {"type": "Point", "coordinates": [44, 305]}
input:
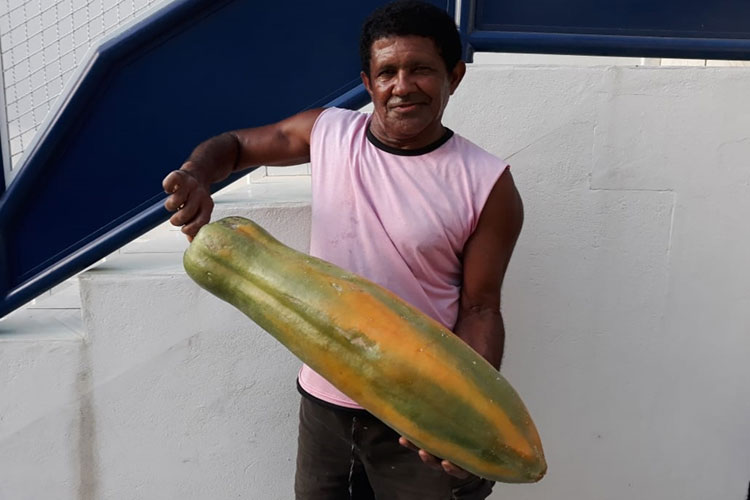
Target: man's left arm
{"type": "Point", "coordinates": [485, 259]}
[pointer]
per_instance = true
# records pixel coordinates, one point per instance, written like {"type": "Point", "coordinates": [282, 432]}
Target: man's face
{"type": "Point", "coordinates": [409, 86]}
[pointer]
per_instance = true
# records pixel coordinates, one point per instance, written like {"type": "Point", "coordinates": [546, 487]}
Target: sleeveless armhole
{"type": "Point", "coordinates": [481, 200]}
{"type": "Point", "coordinates": [314, 135]}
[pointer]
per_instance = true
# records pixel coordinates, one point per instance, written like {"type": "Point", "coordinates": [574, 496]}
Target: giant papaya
{"type": "Point", "coordinates": [396, 362]}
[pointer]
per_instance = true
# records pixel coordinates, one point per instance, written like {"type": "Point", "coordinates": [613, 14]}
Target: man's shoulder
{"type": "Point", "coordinates": [334, 113]}
{"type": "Point", "coordinates": [340, 119]}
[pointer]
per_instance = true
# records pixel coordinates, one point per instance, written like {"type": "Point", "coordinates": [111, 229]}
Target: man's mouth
{"type": "Point", "coordinates": [406, 106]}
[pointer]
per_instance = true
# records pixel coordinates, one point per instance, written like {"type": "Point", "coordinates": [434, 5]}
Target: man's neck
{"type": "Point", "coordinates": [375, 141]}
{"type": "Point", "coordinates": [424, 139]}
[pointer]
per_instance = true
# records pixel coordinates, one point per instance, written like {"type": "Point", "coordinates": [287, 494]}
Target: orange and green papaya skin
{"type": "Point", "coordinates": [396, 362]}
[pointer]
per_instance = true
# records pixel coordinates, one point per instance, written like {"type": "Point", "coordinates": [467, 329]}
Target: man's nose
{"type": "Point", "coordinates": [404, 83]}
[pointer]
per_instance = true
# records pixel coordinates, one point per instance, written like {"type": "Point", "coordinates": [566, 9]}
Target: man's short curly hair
{"type": "Point", "coordinates": [411, 17]}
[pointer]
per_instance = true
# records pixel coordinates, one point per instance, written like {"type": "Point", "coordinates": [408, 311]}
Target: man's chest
{"type": "Point", "coordinates": [421, 212]}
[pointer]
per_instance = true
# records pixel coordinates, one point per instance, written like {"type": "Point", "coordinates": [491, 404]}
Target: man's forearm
{"type": "Point", "coordinates": [214, 159]}
{"type": "Point", "coordinates": [483, 329]}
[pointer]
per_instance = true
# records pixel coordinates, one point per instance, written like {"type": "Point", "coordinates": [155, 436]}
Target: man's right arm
{"type": "Point", "coordinates": [284, 143]}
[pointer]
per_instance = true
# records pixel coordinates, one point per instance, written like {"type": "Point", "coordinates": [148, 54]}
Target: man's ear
{"type": "Point", "coordinates": [366, 81]}
{"type": "Point", "coordinates": [457, 75]}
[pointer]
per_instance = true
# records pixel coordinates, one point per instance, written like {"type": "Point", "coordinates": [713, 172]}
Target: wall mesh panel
{"type": "Point", "coordinates": [41, 43]}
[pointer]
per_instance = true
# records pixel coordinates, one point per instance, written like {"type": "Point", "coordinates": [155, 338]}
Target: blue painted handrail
{"type": "Point", "coordinates": [90, 181]}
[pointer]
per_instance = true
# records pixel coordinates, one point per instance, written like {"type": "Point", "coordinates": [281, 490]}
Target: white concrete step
{"type": "Point", "coordinates": [132, 374]}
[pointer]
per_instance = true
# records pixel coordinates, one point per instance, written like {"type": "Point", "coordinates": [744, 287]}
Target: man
{"type": "Point", "coordinates": [403, 201]}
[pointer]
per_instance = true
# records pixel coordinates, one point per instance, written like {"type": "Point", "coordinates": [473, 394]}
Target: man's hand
{"type": "Point", "coordinates": [435, 462]}
{"type": "Point", "coordinates": [191, 199]}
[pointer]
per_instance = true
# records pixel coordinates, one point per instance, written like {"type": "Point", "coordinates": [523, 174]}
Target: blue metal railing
{"type": "Point", "coordinates": [91, 180]}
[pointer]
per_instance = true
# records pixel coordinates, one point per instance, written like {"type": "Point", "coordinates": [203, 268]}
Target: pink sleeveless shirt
{"type": "Point", "coordinates": [399, 218]}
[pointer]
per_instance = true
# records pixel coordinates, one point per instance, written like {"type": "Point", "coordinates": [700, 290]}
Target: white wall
{"type": "Point", "coordinates": [627, 307]}
{"type": "Point", "coordinates": [627, 301]}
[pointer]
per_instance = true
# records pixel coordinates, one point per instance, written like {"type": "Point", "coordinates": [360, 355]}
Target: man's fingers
{"type": "Point", "coordinates": [435, 462]}
{"type": "Point", "coordinates": [186, 213]}
{"type": "Point", "coordinates": [200, 220]}
{"type": "Point", "coordinates": [176, 200]}
{"type": "Point", "coordinates": [191, 229]}
{"type": "Point", "coordinates": [407, 444]}
{"type": "Point", "coordinates": [449, 467]}
{"type": "Point", "coordinates": [430, 460]}
{"type": "Point", "coordinates": [179, 184]}
{"type": "Point", "coordinates": [426, 457]}
{"type": "Point", "coordinates": [454, 470]}
{"type": "Point", "coordinates": [190, 199]}
{"type": "Point", "coordinates": [172, 181]}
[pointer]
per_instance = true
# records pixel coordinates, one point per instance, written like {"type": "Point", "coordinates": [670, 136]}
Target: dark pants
{"type": "Point", "coordinates": [344, 455]}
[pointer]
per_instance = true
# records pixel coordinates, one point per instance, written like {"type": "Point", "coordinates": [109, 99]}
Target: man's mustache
{"type": "Point", "coordinates": [394, 102]}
